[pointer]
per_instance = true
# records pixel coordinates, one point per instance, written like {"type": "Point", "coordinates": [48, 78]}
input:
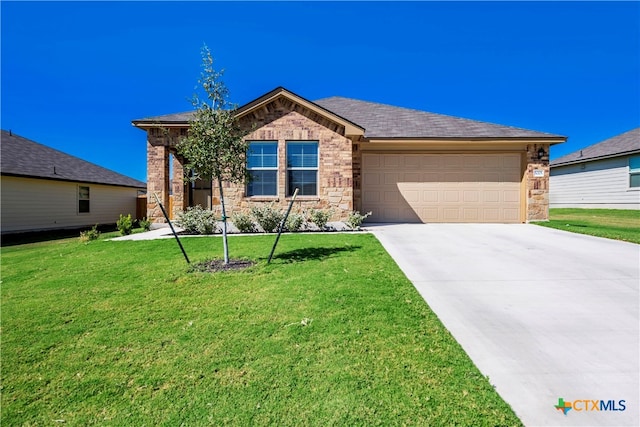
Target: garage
{"type": "Point", "coordinates": [440, 188]}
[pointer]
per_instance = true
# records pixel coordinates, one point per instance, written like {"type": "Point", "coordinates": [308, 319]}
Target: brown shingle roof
{"type": "Point", "coordinates": [23, 157]}
{"type": "Point", "coordinates": [167, 118]}
{"type": "Point", "coordinates": [387, 121]}
{"type": "Point", "coordinates": [619, 145]}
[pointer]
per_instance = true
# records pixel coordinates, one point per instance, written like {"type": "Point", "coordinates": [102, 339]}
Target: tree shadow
{"type": "Point", "coordinates": [308, 254]}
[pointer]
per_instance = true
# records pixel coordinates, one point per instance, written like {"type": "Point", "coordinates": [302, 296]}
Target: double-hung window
{"type": "Point", "coordinates": [302, 167]}
{"type": "Point", "coordinates": [262, 164]}
{"type": "Point", "coordinates": [634, 172]}
{"type": "Point", "coordinates": [83, 199]}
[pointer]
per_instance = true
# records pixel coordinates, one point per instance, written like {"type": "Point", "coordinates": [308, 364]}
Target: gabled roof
{"type": "Point", "coordinates": [386, 121]}
{"type": "Point", "coordinates": [626, 143]}
{"type": "Point", "coordinates": [378, 121]}
{"type": "Point", "coordinates": [23, 157]}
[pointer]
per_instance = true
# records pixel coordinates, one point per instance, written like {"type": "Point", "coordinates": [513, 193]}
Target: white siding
{"type": "Point", "coordinates": [601, 184]}
{"type": "Point", "coordinates": [37, 204]}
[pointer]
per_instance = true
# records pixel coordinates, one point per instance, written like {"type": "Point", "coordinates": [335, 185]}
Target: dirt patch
{"type": "Point", "coordinates": [216, 265]}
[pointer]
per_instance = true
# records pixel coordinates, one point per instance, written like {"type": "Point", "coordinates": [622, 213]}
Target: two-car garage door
{"type": "Point", "coordinates": [442, 187]}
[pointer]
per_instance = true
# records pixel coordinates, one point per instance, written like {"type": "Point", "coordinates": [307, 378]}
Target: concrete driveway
{"type": "Point", "coordinates": [545, 314]}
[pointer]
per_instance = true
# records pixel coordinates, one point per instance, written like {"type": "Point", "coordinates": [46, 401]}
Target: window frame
{"type": "Point", "coordinates": [82, 198]}
{"type": "Point", "coordinates": [634, 172]}
{"type": "Point", "coordinates": [290, 190]}
{"type": "Point", "coordinates": [275, 169]}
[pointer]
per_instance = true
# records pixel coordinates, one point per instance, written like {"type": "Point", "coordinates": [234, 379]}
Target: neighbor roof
{"type": "Point", "coordinates": [381, 121]}
{"type": "Point", "coordinates": [626, 143]}
{"type": "Point", "coordinates": [23, 157]}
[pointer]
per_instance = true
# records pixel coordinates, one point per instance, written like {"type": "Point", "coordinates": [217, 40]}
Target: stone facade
{"type": "Point", "coordinates": [281, 121]}
{"type": "Point", "coordinates": [284, 121]}
{"type": "Point", "coordinates": [537, 187]}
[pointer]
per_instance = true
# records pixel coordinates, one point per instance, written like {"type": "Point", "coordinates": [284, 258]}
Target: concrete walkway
{"type": "Point", "coordinates": [545, 314]}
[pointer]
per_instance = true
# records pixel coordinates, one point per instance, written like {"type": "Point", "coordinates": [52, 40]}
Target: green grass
{"type": "Point", "coordinates": [330, 333]}
{"type": "Point", "coordinates": [610, 223]}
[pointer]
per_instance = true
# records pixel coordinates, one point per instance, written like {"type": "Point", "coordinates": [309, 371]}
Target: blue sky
{"type": "Point", "coordinates": [74, 74]}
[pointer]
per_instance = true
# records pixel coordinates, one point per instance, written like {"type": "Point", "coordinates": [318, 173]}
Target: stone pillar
{"type": "Point", "coordinates": [178, 188]}
{"type": "Point", "coordinates": [157, 181]}
{"type": "Point", "coordinates": [537, 183]}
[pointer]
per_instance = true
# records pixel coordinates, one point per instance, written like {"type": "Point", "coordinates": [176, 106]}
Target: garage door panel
{"type": "Point", "coordinates": [430, 196]}
{"type": "Point", "coordinates": [392, 162]}
{"type": "Point", "coordinates": [451, 196]}
{"type": "Point", "coordinates": [471, 214]}
{"type": "Point", "coordinates": [370, 179]}
{"type": "Point", "coordinates": [452, 161]}
{"type": "Point", "coordinates": [411, 177]}
{"type": "Point", "coordinates": [511, 196]}
{"type": "Point", "coordinates": [511, 215]}
{"type": "Point", "coordinates": [511, 162]}
{"type": "Point", "coordinates": [491, 196]}
{"type": "Point", "coordinates": [391, 178]}
{"type": "Point", "coordinates": [471, 196]}
{"type": "Point", "coordinates": [491, 214]}
{"type": "Point", "coordinates": [371, 197]}
{"type": "Point", "coordinates": [451, 214]}
{"type": "Point", "coordinates": [442, 187]}
{"type": "Point", "coordinates": [412, 162]}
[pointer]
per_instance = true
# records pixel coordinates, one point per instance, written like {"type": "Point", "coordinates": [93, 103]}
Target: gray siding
{"type": "Point", "coordinates": [30, 204]}
{"type": "Point", "coordinates": [601, 184]}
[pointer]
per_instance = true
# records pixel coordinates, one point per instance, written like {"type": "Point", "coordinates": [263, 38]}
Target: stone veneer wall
{"type": "Point", "coordinates": [537, 188]}
{"type": "Point", "coordinates": [157, 181]}
{"type": "Point", "coordinates": [283, 121]}
{"type": "Point", "coordinates": [160, 143]}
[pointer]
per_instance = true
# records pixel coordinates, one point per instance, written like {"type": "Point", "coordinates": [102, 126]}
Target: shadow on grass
{"type": "Point", "coordinates": [26, 237]}
{"type": "Point", "coordinates": [307, 254]}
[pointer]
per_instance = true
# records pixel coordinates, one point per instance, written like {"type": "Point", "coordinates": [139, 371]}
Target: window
{"type": "Point", "coordinates": [83, 199]}
{"type": "Point", "coordinates": [634, 172]}
{"type": "Point", "coordinates": [262, 164]}
{"type": "Point", "coordinates": [302, 168]}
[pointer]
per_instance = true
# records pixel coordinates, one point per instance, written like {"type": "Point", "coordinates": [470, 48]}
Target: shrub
{"type": "Point", "coordinates": [197, 220]}
{"type": "Point", "coordinates": [90, 235]}
{"type": "Point", "coordinates": [145, 224]}
{"type": "Point", "coordinates": [125, 224]}
{"type": "Point", "coordinates": [320, 218]}
{"type": "Point", "coordinates": [243, 222]}
{"type": "Point", "coordinates": [294, 222]}
{"type": "Point", "coordinates": [355, 219]}
{"type": "Point", "coordinates": [267, 217]}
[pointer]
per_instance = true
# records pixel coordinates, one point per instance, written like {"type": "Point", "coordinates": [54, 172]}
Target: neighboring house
{"type": "Point", "coordinates": [603, 175]}
{"type": "Point", "coordinates": [45, 189]}
{"type": "Point", "coordinates": [343, 154]}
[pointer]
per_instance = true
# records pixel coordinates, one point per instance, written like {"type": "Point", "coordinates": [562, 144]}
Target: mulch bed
{"type": "Point", "coordinates": [216, 265]}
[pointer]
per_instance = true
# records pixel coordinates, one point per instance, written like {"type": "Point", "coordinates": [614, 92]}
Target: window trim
{"type": "Point", "coordinates": [83, 199]}
{"type": "Point", "coordinates": [633, 172]}
{"type": "Point", "coordinates": [274, 168]}
{"type": "Point", "coordinates": [316, 143]}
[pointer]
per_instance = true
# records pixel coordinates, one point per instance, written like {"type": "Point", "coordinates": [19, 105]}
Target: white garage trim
{"type": "Point", "coordinates": [403, 187]}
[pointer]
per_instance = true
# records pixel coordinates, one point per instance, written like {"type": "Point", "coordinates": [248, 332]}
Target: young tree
{"type": "Point", "coordinates": [214, 147]}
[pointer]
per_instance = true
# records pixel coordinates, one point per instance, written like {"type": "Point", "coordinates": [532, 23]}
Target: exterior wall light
{"type": "Point", "coordinates": [541, 153]}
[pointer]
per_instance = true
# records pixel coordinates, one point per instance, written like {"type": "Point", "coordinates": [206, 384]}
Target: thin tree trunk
{"type": "Point", "coordinates": [224, 225]}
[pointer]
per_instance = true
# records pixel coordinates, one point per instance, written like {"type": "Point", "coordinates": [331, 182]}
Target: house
{"type": "Point", "coordinates": [45, 189]}
{"type": "Point", "coordinates": [344, 154]}
{"type": "Point", "coordinates": [603, 175]}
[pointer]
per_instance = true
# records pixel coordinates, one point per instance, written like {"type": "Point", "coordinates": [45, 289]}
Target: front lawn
{"type": "Point", "coordinates": [331, 333]}
{"type": "Point", "coordinates": [610, 223]}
